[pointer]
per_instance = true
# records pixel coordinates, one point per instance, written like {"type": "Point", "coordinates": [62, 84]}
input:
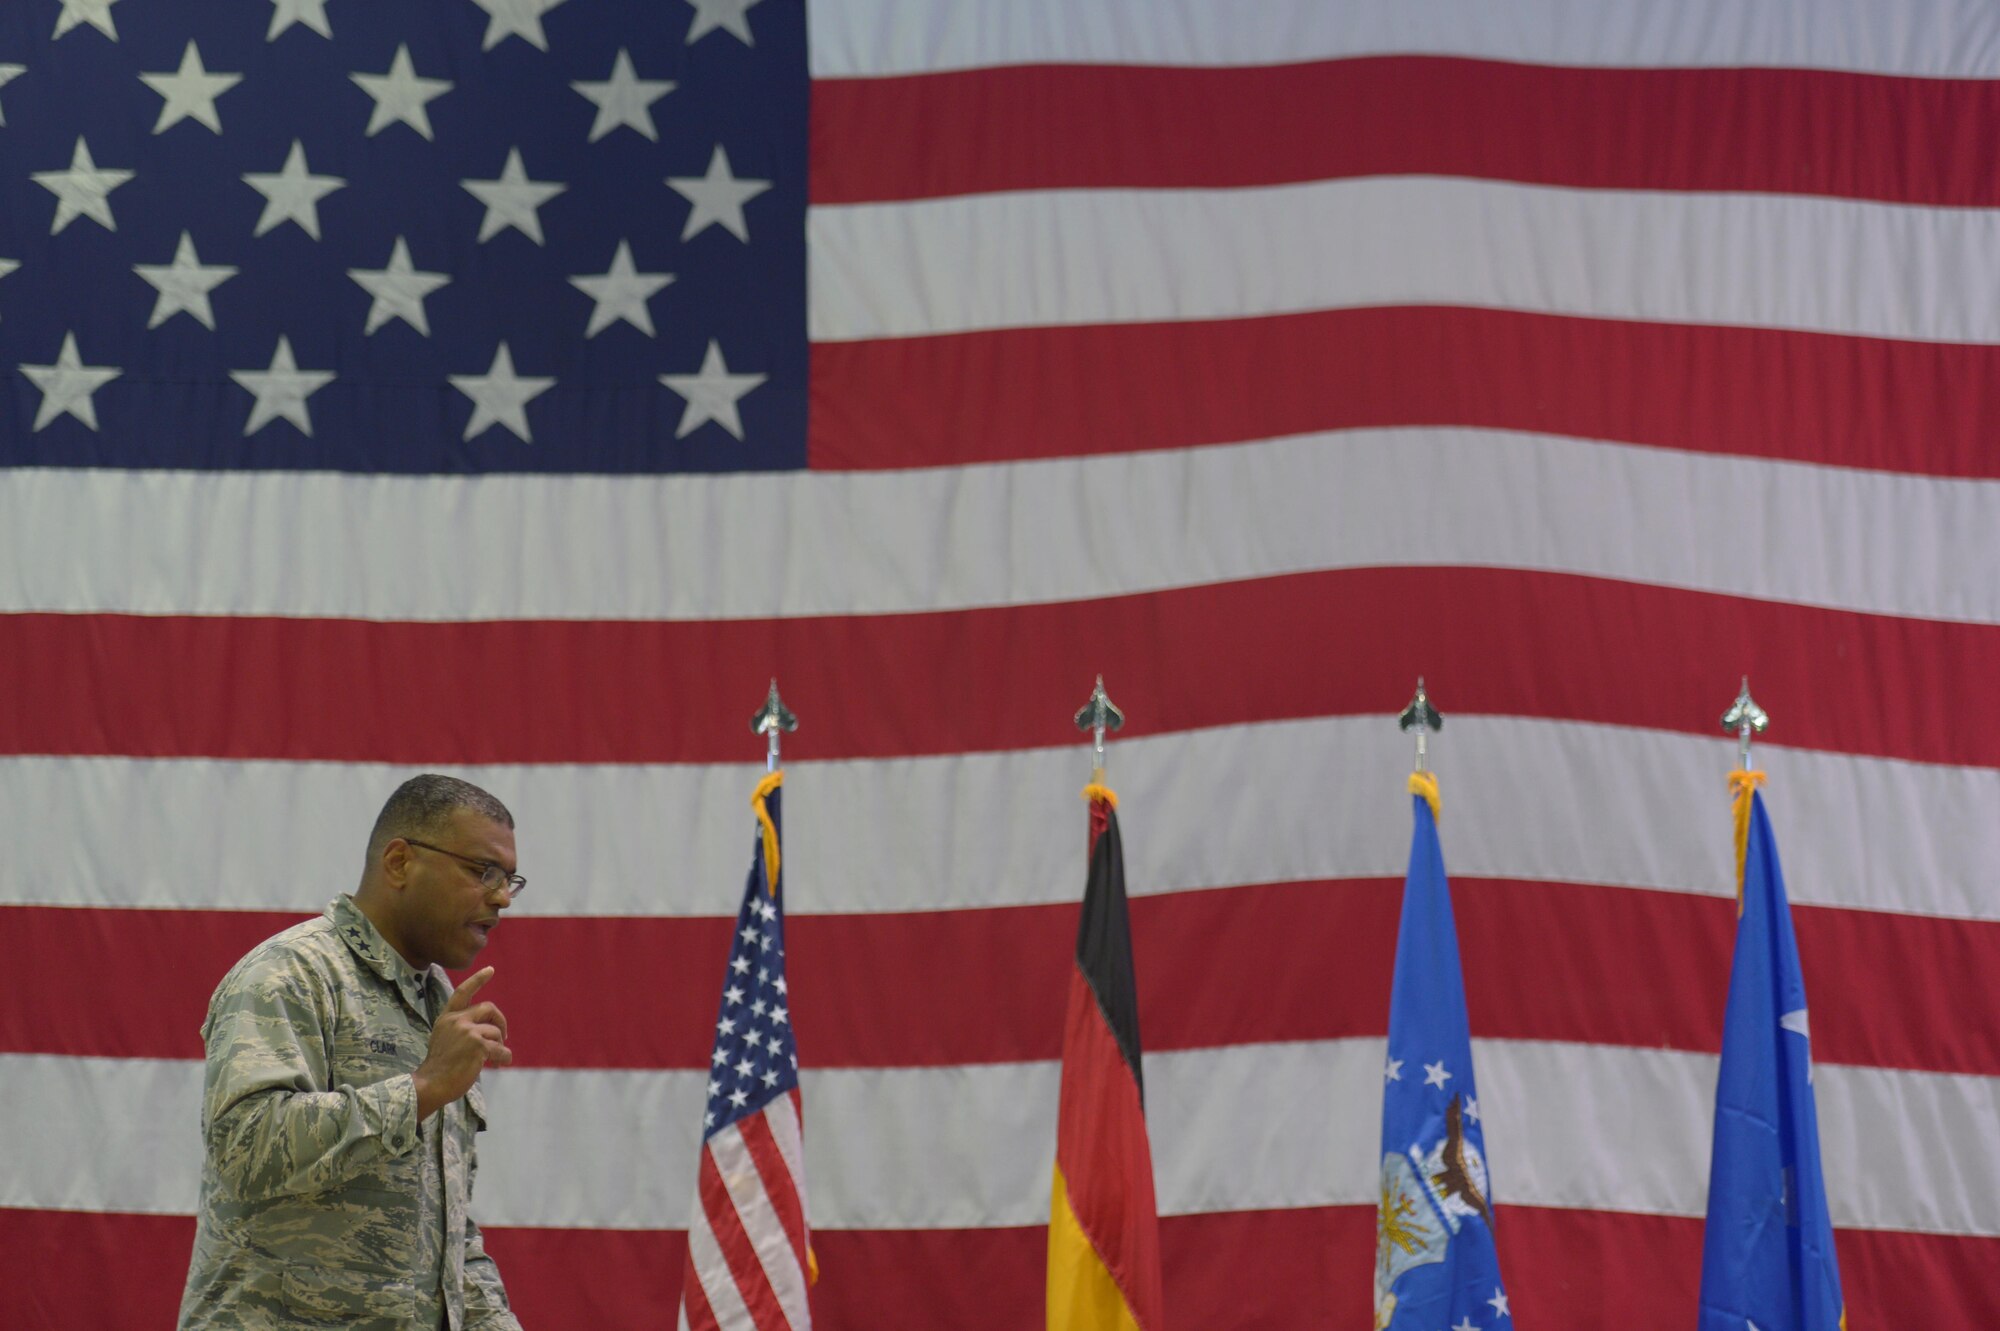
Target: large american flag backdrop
{"type": "Point", "coordinates": [514, 386]}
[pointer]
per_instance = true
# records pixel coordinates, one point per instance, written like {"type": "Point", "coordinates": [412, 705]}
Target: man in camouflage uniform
{"type": "Point", "coordinates": [340, 1108]}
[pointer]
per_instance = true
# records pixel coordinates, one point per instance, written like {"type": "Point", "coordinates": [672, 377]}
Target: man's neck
{"type": "Point", "coordinates": [371, 905]}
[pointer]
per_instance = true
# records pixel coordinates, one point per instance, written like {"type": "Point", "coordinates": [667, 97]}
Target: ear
{"type": "Point", "coordinates": [397, 859]}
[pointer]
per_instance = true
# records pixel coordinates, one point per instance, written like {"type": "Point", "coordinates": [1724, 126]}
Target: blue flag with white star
{"type": "Point", "coordinates": [1767, 1257]}
{"type": "Point", "coordinates": [1435, 1261]}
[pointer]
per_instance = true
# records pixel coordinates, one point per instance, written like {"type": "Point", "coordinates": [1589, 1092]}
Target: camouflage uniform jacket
{"type": "Point", "coordinates": [320, 1191]}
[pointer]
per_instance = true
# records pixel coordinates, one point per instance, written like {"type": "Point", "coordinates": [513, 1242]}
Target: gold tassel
{"type": "Point", "coordinates": [1426, 784]}
{"type": "Point", "coordinates": [1742, 784]}
{"type": "Point", "coordinates": [764, 788]}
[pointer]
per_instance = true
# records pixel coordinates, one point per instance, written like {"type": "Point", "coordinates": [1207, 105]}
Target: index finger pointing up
{"type": "Point", "coordinates": [464, 994]}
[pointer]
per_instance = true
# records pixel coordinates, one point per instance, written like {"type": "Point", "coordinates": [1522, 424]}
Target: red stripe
{"type": "Point", "coordinates": [778, 1183]}
{"type": "Point", "coordinates": [588, 1279]}
{"type": "Point", "coordinates": [1247, 1270]}
{"type": "Point", "coordinates": [737, 1249]}
{"type": "Point", "coordinates": [1887, 990]}
{"type": "Point", "coordinates": [588, 692]}
{"type": "Point", "coordinates": [1131, 388]}
{"type": "Point", "coordinates": [67, 1269]}
{"type": "Point", "coordinates": [700, 1317]}
{"type": "Point", "coordinates": [1785, 131]}
{"type": "Point", "coordinates": [1104, 1156]}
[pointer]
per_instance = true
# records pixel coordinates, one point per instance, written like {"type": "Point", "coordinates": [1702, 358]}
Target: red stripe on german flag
{"type": "Point", "coordinates": [1104, 1232]}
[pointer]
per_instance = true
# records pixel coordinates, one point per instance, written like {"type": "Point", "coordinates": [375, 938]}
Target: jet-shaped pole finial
{"type": "Point", "coordinates": [772, 719]}
{"type": "Point", "coordinates": [1745, 718]}
{"type": "Point", "coordinates": [1421, 717]}
{"type": "Point", "coordinates": [1097, 716]}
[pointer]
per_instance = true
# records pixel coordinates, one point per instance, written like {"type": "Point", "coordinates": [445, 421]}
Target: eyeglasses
{"type": "Point", "coordinates": [491, 875]}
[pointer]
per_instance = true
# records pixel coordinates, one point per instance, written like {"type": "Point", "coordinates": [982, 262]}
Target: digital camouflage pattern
{"type": "Point", "coordinates": [323, 1200]}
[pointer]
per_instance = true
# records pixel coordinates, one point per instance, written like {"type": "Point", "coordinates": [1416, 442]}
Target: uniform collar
{"type": "Point", "coordinates": [366, 942]}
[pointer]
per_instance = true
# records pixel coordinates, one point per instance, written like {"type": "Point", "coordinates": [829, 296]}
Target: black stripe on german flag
{"type": "Point", "coordinates": [1104, 939]}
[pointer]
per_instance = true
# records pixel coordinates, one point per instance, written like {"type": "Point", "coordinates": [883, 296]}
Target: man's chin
{"type": "Point", "coordinates": [462, 959]}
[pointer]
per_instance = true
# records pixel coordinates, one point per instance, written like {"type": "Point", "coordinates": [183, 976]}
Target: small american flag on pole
{"type": "Point", "coordinates": [749, 1259]}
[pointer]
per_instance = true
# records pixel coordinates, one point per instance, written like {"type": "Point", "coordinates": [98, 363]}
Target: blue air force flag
{"type": "Point", "coordinates": [1767, 1257]}
{"type": "Point", "coordinates": [1435, 1261]}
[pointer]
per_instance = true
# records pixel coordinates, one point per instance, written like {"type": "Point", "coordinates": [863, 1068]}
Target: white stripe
{"type": "Point", "coordinates": [1278, 802]}
{"type": "Point", "coordinates": [1927, 38]}
{"type": "Point", "coordinates": [510, 547]}
{"type": "Point", "coordinates": [759, 1218]}
{"type": "Point", "coordinates": [100, 1134]}
{"type": "Point", "coordinates": [711, 1269]}
{"type": "Point", "coordinates": [1236, 1128]}
{"type": "Point", "coordinates": [786, 1131]}
{"type": "Point", "coordinates": [1027, 259]}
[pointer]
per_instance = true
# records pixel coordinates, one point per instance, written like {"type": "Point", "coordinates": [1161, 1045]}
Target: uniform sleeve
{"type": "Point", "coordinates": [274, 1126]}
{"type": "Point", "coordinates": [485, 1297]}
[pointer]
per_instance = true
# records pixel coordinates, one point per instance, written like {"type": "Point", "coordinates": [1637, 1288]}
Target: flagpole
{"type": "Point", "coordinates": [1103, 1210]}
{"type": "Point", "coordinates": [1421, 717]}
{"type": "Point", "coordinates": [1766, 1144]}
{"type": "Point", "coordinates": [753, 1106]}
{"type": "Point", "coordinates": [1745, 718]}
{"type": "Point", "coordinates": [1095, 717]}
{"type": "Point", "coordinates": [772, 719]}
{"type": "Point", "coordinates": [1435, 1253]}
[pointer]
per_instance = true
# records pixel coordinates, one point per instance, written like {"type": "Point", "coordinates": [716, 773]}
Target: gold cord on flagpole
{"type": "Point", "coordinates": [1741, 784]}
{"type": "Point", "coordinates": [772, 720]}
{"type": "Point", "coordinates": [771, 781]}
{"type": "Point", "coordinates": [1744, 718]}
{"type": "Point", "coordinates": [1426, 784]}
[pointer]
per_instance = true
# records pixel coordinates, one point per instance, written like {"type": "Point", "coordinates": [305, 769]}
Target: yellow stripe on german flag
{"type": "Point", "coordinates": [1082, 1294]}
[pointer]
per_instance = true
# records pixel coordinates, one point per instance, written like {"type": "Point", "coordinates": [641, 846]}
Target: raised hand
{"type": "Point", "coordinates": [466, 1037]}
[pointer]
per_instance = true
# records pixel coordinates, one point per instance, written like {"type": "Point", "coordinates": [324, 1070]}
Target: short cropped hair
{"type": "Point", "coordinates": [423, 805]}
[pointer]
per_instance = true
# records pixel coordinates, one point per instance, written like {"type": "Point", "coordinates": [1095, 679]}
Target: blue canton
{"type": "Point", "coordinates": [454, 236]}
{"type": "Point", "coordinates": [755, 1059]}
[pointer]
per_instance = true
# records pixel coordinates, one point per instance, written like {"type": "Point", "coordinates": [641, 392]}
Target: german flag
{"type": "Point", "coordinates": [1104, 1232]}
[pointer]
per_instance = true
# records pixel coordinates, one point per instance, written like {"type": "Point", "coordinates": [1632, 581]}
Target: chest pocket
{"type": "Point", "coordinates": [375, 1038]}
